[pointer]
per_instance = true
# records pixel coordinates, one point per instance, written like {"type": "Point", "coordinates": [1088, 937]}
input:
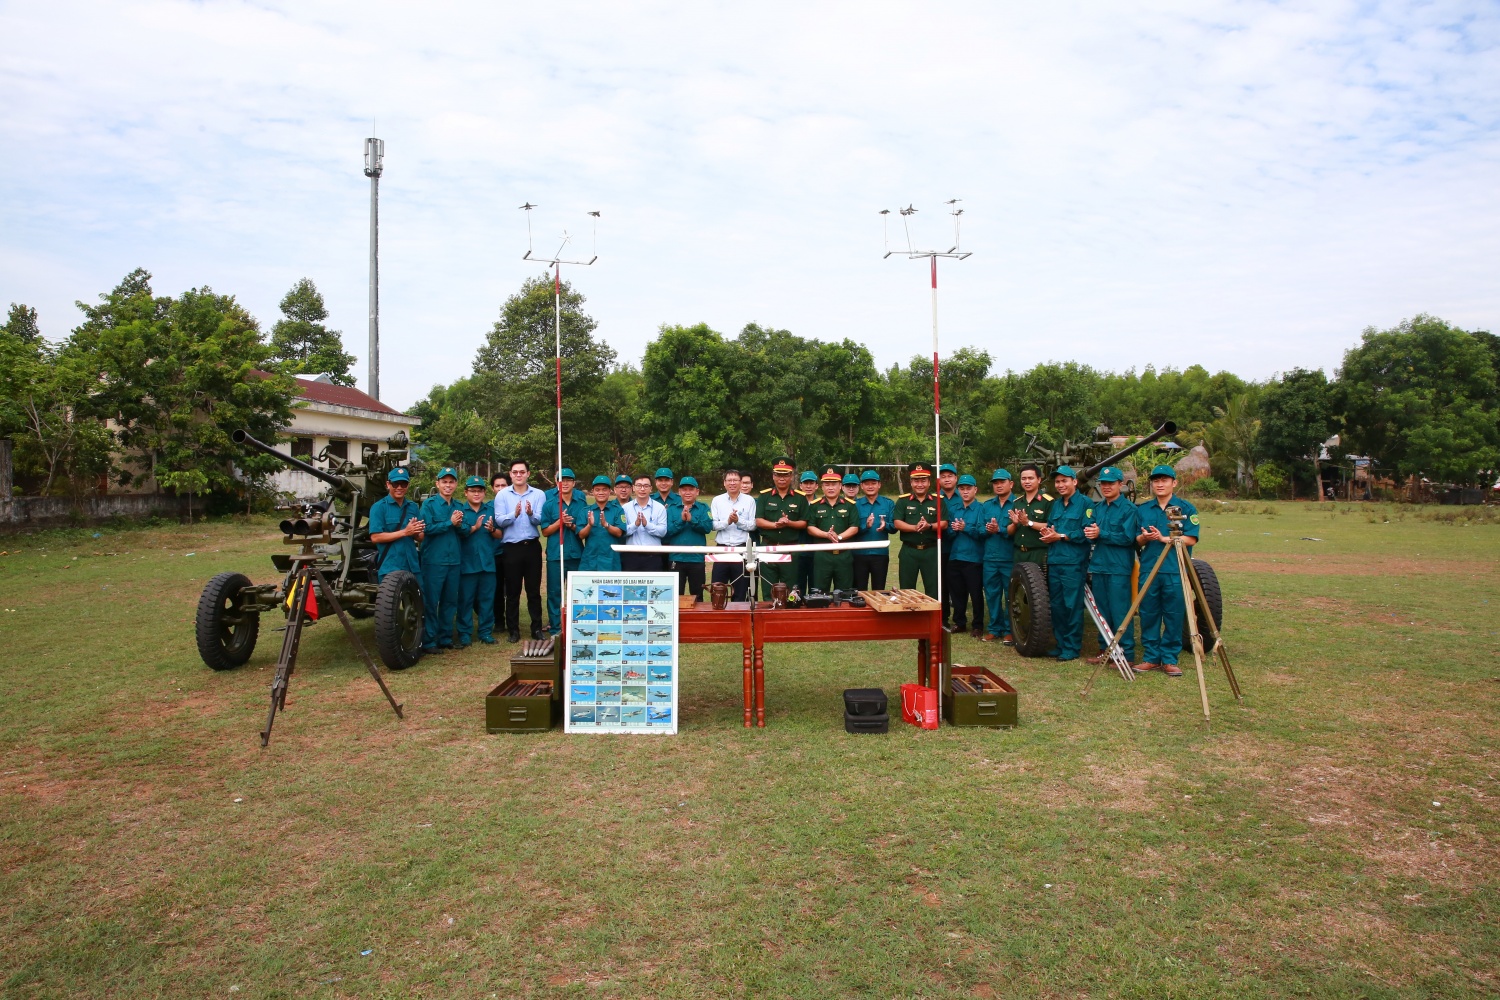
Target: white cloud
{"type": "Point", "coordinates": [1235, 184]}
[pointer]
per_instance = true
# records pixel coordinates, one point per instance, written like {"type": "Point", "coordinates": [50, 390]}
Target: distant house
{"type": "Point", "coordinates": [330, 424]}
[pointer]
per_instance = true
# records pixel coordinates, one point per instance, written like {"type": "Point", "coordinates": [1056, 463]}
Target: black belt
{"type": "Point", "coordinates": [1032, 548]}
{"type": "Point", "coordinates": [908, 545]}
{"type": "Point", "coordinates": [525, 541]}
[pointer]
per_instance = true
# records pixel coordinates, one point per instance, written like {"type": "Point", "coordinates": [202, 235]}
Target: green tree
{"type": "Point", "coordinates": [178, 376]}
{"type": "Point", "coordinates": [1296, 417]}
{"type": "Point", "coordinates": [1233, 437]}
{"type": "Point", "coordinates": [1053, 403]}
{"type": "Point", "coordinates": [42, 387]}
{"type": "Point", "coordinates": [1422, 397]}
{"type": "Point", "coordinates": [514, 380]}
{"type": "Point", "coordinates": [21, 323]}
{"type": "Point", "coordinates": [302, 344]}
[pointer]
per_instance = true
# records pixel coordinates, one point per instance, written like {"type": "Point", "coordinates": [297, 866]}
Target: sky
{"type": "Point", "coordinates": [1245, 186]}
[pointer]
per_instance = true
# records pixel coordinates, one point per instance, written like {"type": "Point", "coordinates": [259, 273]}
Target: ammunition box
{"type": "Point", "coordinates": [506, 711]}
{"type": "Point", "coordinates": [996, 709]}
{"type": "Point", "coordinates": [540, 668]}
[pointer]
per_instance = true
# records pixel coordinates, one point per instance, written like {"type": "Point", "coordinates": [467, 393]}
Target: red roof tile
{"type": "Point", "coordinates": [340, 395]}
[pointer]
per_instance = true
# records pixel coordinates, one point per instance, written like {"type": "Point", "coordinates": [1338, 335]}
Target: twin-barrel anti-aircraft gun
{"type": "Point", "coordinates": [335, 557]}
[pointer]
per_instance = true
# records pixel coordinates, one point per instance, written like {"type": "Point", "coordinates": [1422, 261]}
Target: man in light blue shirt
{"type": "Point", "coordinates": [645, 524]}
{"type": "Point", "coordinates": [518, 516]}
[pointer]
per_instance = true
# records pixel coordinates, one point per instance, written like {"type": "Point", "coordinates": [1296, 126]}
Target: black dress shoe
{"type": "Point", "coordinates": [537, 633]}
{"type": "Point", "coordinates": [514, 636]}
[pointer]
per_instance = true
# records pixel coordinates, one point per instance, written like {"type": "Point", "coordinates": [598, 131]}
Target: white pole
{"type": "Point", "coordinates": [562, 552]}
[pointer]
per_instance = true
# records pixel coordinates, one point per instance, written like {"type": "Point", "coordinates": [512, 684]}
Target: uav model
{"type": "Point", "coordinates": [753, 555]}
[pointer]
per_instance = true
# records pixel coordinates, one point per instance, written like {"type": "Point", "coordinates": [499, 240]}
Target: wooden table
{"type": "Point", "coordinates": [753, 627]}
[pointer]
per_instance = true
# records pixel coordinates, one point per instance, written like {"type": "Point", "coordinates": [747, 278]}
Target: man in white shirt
{"type": "Point", "coordinates": [645, 524]}
{"type": "Point", "coordinates": [518, 512]}
{"type": "Point", "coordinates": [733, 515]}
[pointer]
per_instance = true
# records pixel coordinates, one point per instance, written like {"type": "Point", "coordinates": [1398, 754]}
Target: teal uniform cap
{"type": "Point", "coordinates": [868, 475]}
{"type": "Point", "coordinates": [474, 481]}
{"type": "Point", "coordinates": [622, 478]}
{"type": "Point", "coordinates": [398, 476]}
{"type": "Point", "coordinates": [1164, 470]}
{"type": "Point", "coordinates": [1065, 470]}
{"type": "Point", "coordinates": [966, 480]}
{"type": "Point", "coordinates": [688, 481]}
{"type": "Point", "coordinates": [945, 467]}
{"type": "Point", "coordinates": [664, 473]}
{"type": "Point", "coordinates": [600, 481]}
{"type": "Point", "coordinates": [808, 477]}
{"type": "Point", "coordinates": [850, 479]}
{"type": "Point", "coordinates": [1000, 474]}
{"type": "Point", "coordinates": [447, 473]}
{"type": "Point", "coordinates": [1110, 474]}
{"type": "Point", "coordinates": [566, 473]}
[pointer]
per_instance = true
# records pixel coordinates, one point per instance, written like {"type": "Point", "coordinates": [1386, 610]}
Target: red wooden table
{"type": "Point", "coordinates": [752, 628]}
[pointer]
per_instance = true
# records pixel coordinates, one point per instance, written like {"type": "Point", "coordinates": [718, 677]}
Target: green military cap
{"type": "Point", "coordinates": [1000, 474]}
{"type": "Point", "coordinates": [1164, 470]}
{"type": "Point", "coordinates": [566, 473]}
{"type": "Point", "coordinates": [1065, 470]}
{"type": "Point", "coordinates": [600, 481]}
{"type": "Point", "coordinates": [784, 464]}
{"type": "Point", "coordinates": [808, 477]}
{"type": "Point", "coordinates": [688, 481]}
{"type": "Point", "coordinates": [868, 475]}
{"type": "Point", "coordinates": [945, 467]}
{"type": "Point", "coordinates": [850, 479]}
{"type": "Point", "coordinates": [966, 480]}
{"type": "Point", "coordinates": [831, 475]}
{"type": "Point", "coordinates": [447, 473]}
{"type": "Point", "coordinates": [920, 470]}
{"type": "Point", "coordinates": [664, 473]}
{"type": "Point", "coordinates": [474, 481]}
{"type": "Point", "coordinates": [1110, 474]}
{"type": "Point", "coordinates": [622, 478]}
{"type": "Point", "coordinates": [398, 476]}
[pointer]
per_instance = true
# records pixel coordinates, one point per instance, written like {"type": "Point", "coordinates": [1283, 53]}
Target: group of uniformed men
{"type": "Point", "coordinates": [477, 555]}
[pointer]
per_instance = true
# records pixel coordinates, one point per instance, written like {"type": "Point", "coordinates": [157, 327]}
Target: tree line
{"type": "Point", "coordinates": [146, 390]}
{"type": "Point", "coordinates": [1421, 398]}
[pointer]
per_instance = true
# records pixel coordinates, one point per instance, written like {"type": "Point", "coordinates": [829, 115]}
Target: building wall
{"type": "Point", "coordinates": [325, 423]}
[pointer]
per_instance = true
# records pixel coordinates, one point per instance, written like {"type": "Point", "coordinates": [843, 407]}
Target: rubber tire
{"type": "Point", "coordinates": [219, 651]}
{"type": "Point", "coordinates": [1032, 625]}
{"type": "Point", "coordinates": [1210, 581]}
{"type": "Point", "coordinates": [394, 602]}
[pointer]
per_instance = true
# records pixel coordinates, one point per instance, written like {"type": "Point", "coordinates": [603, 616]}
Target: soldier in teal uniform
{"type": "Point", "coordinates": [966, 561]}
{"type": "Point", "coordinates": [562, 515]}
{"type": "Point", "coordinates": [999, 557]}
{"type": "Point", "coordinates": [947, 491]}
{"type": "Point", "coordinates": [808, 485]}
{"type": "Point", "coordinates": [830, 519]}
{"type": "Point", "coordinates": [671, 500]}
{"type": "Point", "coordinates": [598, 529]}
{"type": "Point", "coordinates": [476, 568]}
{"type": "Point", "coordinates": [1067, 561]}
{"type": "Point", "coordinates": [442, 553]}
{"type": "Point", "coordinates": [1113, 559]}
{"type": "Point", "coordinates": [623, 486]}
{"type": "Point", "coordinates": [1162, 612]}
{"type": "Point", "coordinates": [689, 523]}
{"type": "Point", "coordinates": [877, 522]}
{"type": "Point", "coordinates": [396, 526]}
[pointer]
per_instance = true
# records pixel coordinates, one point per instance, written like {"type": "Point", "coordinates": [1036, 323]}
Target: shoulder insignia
{"type": "Point", "coordinates": [904, 496]}
{"type": "Point", "coordinates": [1089, 512]}
{"type": "Point", "coordinates": [768, 489]}
{"type": "Point", "coordinates": [1047, 496]}
{"type": "Point", "coordinates": [1194, 518]}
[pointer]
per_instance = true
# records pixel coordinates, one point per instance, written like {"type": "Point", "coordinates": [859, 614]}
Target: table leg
{"type": "Point", "coordinates": [760, 686]}
{"type": "Point", "coordinates": [922, 661]}
{"type": "Point", "coordinates": [749, 692]}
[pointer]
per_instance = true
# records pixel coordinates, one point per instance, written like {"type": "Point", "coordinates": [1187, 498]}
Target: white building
{"type": "Point", "coordinates": [337, 419]}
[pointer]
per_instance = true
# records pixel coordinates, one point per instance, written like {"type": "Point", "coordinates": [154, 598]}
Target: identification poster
{"type": "Point", "coordinates": [621, 667]}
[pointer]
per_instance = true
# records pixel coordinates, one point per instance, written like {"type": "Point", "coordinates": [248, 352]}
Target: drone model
{"type": "Point", "coordinates": [753, 555]}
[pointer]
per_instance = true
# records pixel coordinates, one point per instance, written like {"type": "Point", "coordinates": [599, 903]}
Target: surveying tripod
{"type": "Point", "coordinates": [1192, 593]}
{"type": "Point", "coordinates": [304, 574]}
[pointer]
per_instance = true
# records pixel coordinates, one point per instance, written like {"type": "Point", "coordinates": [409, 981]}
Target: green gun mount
{"type": "Point", "coordinates": [335, 531]}
{"type": "Point", "coordinates": [1075, 454]}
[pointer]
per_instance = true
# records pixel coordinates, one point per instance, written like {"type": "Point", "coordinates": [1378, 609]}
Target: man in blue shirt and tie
{"type": "Point", "coordinates": [518, 515]}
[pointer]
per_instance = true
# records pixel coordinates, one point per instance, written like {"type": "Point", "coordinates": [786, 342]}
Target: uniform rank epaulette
{"type": "Point", "coordinates": [1047, 496]}
{"type": "Point", "coordinates": [768, 489]}
{"type": "Point", "coordinates": [903, 496]}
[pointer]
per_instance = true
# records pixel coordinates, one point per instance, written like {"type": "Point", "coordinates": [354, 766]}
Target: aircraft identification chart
{"type": "Point", "coordinates": [620, 668]}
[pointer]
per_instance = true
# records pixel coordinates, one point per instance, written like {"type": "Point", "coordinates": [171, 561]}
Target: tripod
{"type": "Point", "coordinates": [1192, 593]}
{"type": "Point", "coordinates": [304, 575]}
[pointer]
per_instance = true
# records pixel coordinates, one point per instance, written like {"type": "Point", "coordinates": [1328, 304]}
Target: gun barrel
{"type": "Point", "coordinates": [1167, 427]}
{"type": "Point", "coordinates": [339, 483]}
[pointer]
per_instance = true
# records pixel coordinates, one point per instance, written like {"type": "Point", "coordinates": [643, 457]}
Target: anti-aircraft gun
{"type": "Point", "coordinates": [334, 539]}
{"type": "Point", "coordinates": [1076, 454]}
{"type": "Point", "coordinates": [1030, 604]}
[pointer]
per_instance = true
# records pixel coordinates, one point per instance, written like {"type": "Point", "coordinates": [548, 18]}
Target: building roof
{"type": "Point", "coordinates": [339, 395]}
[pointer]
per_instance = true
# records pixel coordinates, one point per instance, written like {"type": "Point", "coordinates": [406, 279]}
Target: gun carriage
{"type": "Point", "coordinates": [1030, 604]}
{"type": "Point", "coordinates": [333, 535]}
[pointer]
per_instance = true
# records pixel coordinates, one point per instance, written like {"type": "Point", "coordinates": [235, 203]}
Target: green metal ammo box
{"type": "Point", "coordinates": [540, 660]}
{"type": "Point", "coordinates": [508, 711]}
{"type": "Point", "coordinates": [990, 707]}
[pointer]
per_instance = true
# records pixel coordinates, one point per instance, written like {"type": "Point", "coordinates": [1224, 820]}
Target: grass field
{"type": "Point", "coordinates": [1335, 836]}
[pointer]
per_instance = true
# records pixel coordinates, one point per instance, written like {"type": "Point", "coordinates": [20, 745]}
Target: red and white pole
{"type": "Point", "coordinates": [937, 452]}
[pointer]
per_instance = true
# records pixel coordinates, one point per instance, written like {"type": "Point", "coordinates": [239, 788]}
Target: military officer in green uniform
{"type": "Point", "coordinates": [442, 552]}
{"type": "Point", "coordinates": [919, 518]}
{"type": "Point", "coordinates": [781, 517]}
{"type": "Point", "coordinates": [832, 519]}
{"type": "Point", "coordinates": [1028, 516]}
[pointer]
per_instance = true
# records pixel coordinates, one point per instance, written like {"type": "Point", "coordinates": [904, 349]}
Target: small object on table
{"type": "Point", "coordinates": [718, 595]}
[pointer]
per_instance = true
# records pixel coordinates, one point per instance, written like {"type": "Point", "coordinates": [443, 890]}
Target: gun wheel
{"type": "Point", "coordinates": [1210, 581]}
{"type": "Point", "coordinates": [398, 620]}
{"type": "Point", "coordinates": [1030, 609]}
{"type": "Point", "coordinates": [226, 632]}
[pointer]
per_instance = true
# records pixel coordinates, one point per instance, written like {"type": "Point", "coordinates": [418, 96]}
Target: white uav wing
{"type": "Point", "coordinates": [752, 554]}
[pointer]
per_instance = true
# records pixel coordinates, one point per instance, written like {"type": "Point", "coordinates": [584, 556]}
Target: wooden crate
{"type": "Point", "coordinates": [898, 600]}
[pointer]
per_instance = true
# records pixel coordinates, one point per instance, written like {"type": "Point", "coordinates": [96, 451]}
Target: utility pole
{"type": "Point", "coordinates": [374, 166]}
